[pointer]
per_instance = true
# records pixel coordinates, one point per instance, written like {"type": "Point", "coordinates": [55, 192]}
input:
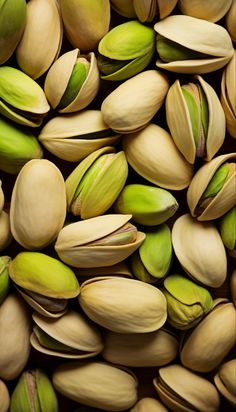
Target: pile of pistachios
{"type": "Point", "coordinates": [117, 205]}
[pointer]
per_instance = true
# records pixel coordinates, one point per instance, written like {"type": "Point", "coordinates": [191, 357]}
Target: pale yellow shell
{"type": "Point", "coordinates": [4, 396]}
{"type": "Point", "coordinates": [225, 381]}
{"type": "Point", "coordinates": [150, 405]}
{"type": "Point", "coordinates": [228, 95]}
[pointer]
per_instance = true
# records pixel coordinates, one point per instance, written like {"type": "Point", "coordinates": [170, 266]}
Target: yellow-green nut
{"type": "Point", "coordinates": [34, 392]}
{"type": "Point", "coordinates": [95, 183]}
{"type": "Point", "coordinates": [149, 404]}
{"type": "Point", "coordinates": [227, 226]}
{"type": "Point", "coordinates": [211, 10]}
{"type": "Point", "coordinates": [126, 50]}
{"type": "Point", "coordinates": [13, 11]}
{"type": "Point", "coordinates": [4, 396]}
{"type": "Point", "coordinates": [228, 94]}
{"type": "Point", "coordinates": [18, 145]}
{"type": "Point", "coordinates": [148, 205]}
{"type": "Point", "coordinates": [151, 262]}
{"type": "Point", "coordinates": [4, 277]}
{"type": "Point", "coordinates": [21, 98]}
{"type": "Point", "coordinates": [225, 381]}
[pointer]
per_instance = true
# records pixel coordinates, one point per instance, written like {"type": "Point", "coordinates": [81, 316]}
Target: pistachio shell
{"type": "Point", "coordinates": [228, 94]}
{"type": "Point", "coordinates": [123, 7]}
{"type": "Point", "coordinates": [233, 286]}
{"type": "Point", "coordinates": [2, 199]}
{"type": "Point", "coordinates": [4, 277]}
{"type": "Point", "coordinates": [5, 231]}
{"type": "Point", "coordinates": [120, 269]}
{"type": "Point", "coordinates": [4, 396]}
{"type": "Point", "coordinates": [150, 405]}
{"type": "Point", "coordinates": [146, 10]}
{"type": "Point", "coordinates": [225, 381]}
{"type": "Point", "coordinates": [211, 10]}
{"type": "Point", "coordinates": [230, 20]}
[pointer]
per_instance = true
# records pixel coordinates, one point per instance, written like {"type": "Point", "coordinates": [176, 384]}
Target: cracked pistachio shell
{"type": "Point", "coordinates": [225, 381]}
{"type": "Point", "coordinates": [144, 350]}
{"type": "Point", "coordinates": [5, 230]}
{"type": "Point", "coordinates": [4, 396]}
{"type": "Point", "coordinates": [208, 44]}
{"type": "Point", "coordinates": [61, 77]}
{"type": "Point", "coordinates": [15, 330]}
{"type": "Point", "coordinates": [195, 131]}
{"type": "Point", "coordinates": [38, 204]}
{"type": "Point", "coordinates": [2, 198]}
{"type": "Point", "coordinates": [184, 391]}
{"type": "Point", "coordinates": [150, 405]}
{"type": "Point", "coordinates": [211, 10]}
{"type": "Point", "coordinates": [205, 346]}
{"type": "Point", "coordinates": [152, 153]}
{"type": "Point", "coordinates": [124, 7]}
{"type": "Point", "coordinates": [200, 250]}
{"type": "Point", "coordinates": [132, 105]}
{"type": "Point", "coordinates": [223, 201]}
{"type": "Point", "coordinates": [21, 98]}
{"type": "Point", "coordinates": [228, 94]}
{"type": "Point", "coordinates": [99, 241]}
{"type": "Point", "coordinates": [233, 286]}
{"type": "Point", "coordinates": [146, 10]}
{"type": "Point", "coordinates": [230, 21]}
{"type": "Point", "coordinates": [227, 226]}
{"type": "Point", "coordinates": [13, 11]}
{"type": "Point", "coordinates": [42, 34]}
{"type": "Point", "coordinates": [85, 22]}
{"type": "Point", "coordinates": [123, 305]}
{"type": "Point", "coordinates": [4, 277]}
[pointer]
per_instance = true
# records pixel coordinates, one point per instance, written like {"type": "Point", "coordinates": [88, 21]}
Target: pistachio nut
{"type": "Point", "coordinates": [18, 145]}
{"type": "Point", "coordinates": [4, 396]}
{"type": "Point", "coordinates": [95, 183]}
{"type": "Point", "coordinates": [149, 404]}
{"type": "Point", "coordinates": [85, 22]}
{"type": "Point", "coordinates": [102, 385]}
{"type": "Point", "coordinates": [230, 20]}
{"type": "Point", "coordinates": [34, 392]}
{"type": "Point", "coordinates": [42, 34]}
{"type": "Point", "coordinates": [4, 277]}
{"type": "Point", "coordinates": [15, 330]}
{"type": "Point", "coordinates": [126, 50]}
{"type": "Point", "coordinates": [200, 250]}
{"type": "Point", "coordinates": [148, 205]}
{"type": "Point", "coordinates": [71, 336]}
{"type": "Point", "coordinates": [228, 230]}
{"type": "Point", "coordinates": [10, 34]}
{"type": "Point", "coordinates": [99, 241]}
{"type": "Point", "coordinates": [225, 381]}
{"type": "Point", "coordinates": [38, 204]}
{"type": "Point", "coordinates": [5, 231]}
{"type": "Point", "coordinates": [21, 98]}
{"type": "Point", "coordinates": [124, 7]}
{"type": "Point", "coordinates": [195, 118]}
{"type": "Point", "coordinates": [151, 262]}
{"type": "Point", "coordinates": [233, 286]}
{"type": "Point", "coordinates": [146, 10]}
{"type": "Point", "coordinates": [132, 105]}
{"type": "Point", "coordinates": [107, 301]}
{"type": "Point", "coordinates": [211, 10]}
{"type": "Point", "coordinates": [152, 153]}
{"type": "Point", "coordinates": [143, 350]}
{"type": "Point", "coordinates": [211, 192]}
{"type": "Point", "coordinates": [72, 82]}
{"type": "Point", "coordinates": [2, 198]}
{"type": "Point", "coordinates": [184, 391]}
{"type": "Point", "coordinates": [228, 94]}
{"type": "Point", "coordinates": [205, 346]}
{"type": "Point", "coordinates": [188, 44]}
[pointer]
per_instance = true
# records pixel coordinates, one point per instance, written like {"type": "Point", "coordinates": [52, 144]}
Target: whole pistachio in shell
{"type": "Point", "coordinates": [126, 50]}
{"type": "Point", "coordinates": [225, 381]}
{"type": "Point", "coordinates": [95, 183]}
{"type": "Point", "coordinates": [43, 34]}
{"type": "Point", "coordinates": [211, 10]}
{"type": "Point", "coordinates": [149, 404]}
{"type": "Point", "coordinates": [2, 198]}
{"type": "Point", "coordinates": [5, 230]}
{"type": "Point", "coordinates": [132, 105]}
{"type": "Point", "coordinates": [228, 94]}
{"type": "Point", "coordinates": [211, 192]}
{"type": "Point", "coordinates": [184, 391]}
{"type": "Point", "coordinates": [146, 10]}
{"type": "Point", "coordinates": [230, 21]}
{"type": "Point", "coordinates": [187, 44]}
{"type": "Point", "coordinates": [99, 241]}
{"type": "Point", "coordinates": [4, 396]}
{"type": "Point", "coordinates": [152, 153]}
{"type": "Point", "coordinates": [38, 204]}
{"type": "Point", "coordinates": [71, 336]}
{"type": "Point", "coordinates": [204, 347]}
{"type": "Point", "coordinates": [200, 250]}
{"type": "Point", "coordinates": [233, 286]}
{"type": "Point", "coordinates": [34, 392]}
{"type": "Point", "coordinates": [72, 82]}
{"type": "Point", "coordinates": [195, 118]}
{"type": "Point", "coordinates": [123, 305]}
{"type": "Point", "coordinates": [15, 330]}
{"type": "Point", "coordinates": [228, 231]}
{"type": "Point", "coordinates": [4, 277]}
{"type": "Point", "coordinates": [85, 22]}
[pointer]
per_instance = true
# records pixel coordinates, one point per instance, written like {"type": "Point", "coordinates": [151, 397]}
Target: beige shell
{"type": "Point", "coordinates": [123, 305]}
{"type": "Point", "coordinates": [223, 201]}
{"type": "Point", "coordinates": [144, 350]}
{"type": "Point", "coordinates": [146, 10]}
{"type": "Point", "coordinates": [132, 105]}
{"type": "Point", "coordinates": [15, 329]}
{"type": "Point", "coordinates": [228, 95]}
{"type": "Point", "coordinates": [225, 381]}
{"type": "Point", "coordinates": [5, 231]}
{"type": "Point", "coordinates": [38, 204]}
{"type": "Point", "coordinates": [198, 35]}
{"type": "Point", "coordinates": [4, 396]}
{"type": "Point", "coordinates": [124, 7]}
{"type": "Point", "coordinates": [200, 250]}
{"type": "Point", "coordinates": [101, 385]}
{"type": "Point", "coordinates": [120, 269]}
{"type": "Point", "coordinates": [184, 391]}
{"type": "Point", "coordinates": [233, 286]}
{"type": "Point", "coordinates": [42, 38]}
{"type": "Point", "coordinates": [2, 199]}
{"type": "Point", "coordinates": [230, 21]}
{"type": "Point", "coordinates": [209, 10]}
{"type": "Point", "coordinates": [153, 155]}
{"type": "Point", "coordinates": [150, 405]}
{"type": "Point", "coordinates": [205, 346]}
{"type": "Point", "coordinates": [180, 126]}
{"type": "Point", "coordinates": [72, 245]}
{"type": "Point", "coordinates": [58, 77]}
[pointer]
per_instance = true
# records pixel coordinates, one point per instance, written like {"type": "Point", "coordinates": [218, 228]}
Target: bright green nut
{"type": "Point", "coordinates": [170, 51]}
{"type": "Point", "coordinates": [4, 277]}
{"type": "Point", "coordinates": [228, 230]}
{"type": "Point", "coordinates": [126, 50]}
{"type": "Point", "coordinates": [34, 392]}
{"type": "Point", "coordinates": [217, 181]}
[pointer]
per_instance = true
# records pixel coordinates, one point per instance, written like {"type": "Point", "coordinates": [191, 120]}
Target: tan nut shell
{"type": "Point", "coordinates": [146, 10]}
{"type": "Point", "coordinates": [228, 95]}
{"type": "Point", "coordinates": [120, 269]}
{"type": "Point", "coordinates": [4, 396]}
{"type": "Point", "coordinates": [225, 381]}
{"type": "Point", "coordinates": [1, 197]}
{"type": "Point", "coordinates": [123, 305]}
{"type": "Point", "coordinates": [230, 21]}
{"type": "Point", "coordinates": [100, 385]}
{"type": "Point", "coordinates": [133, 104]}
{"type": "Point", "coordinates": [200, 250]}
{"type": "Point", "coordinates": [38, 204]}
{"type": "Point", "coordinates": [5, 231]}
{"type": "Point", "coordinates": [153, 154]}
{"type": "Point", "coordinates": [150, 405]}
{"type": "Point", "coordinates": [233, 286]}
{"type": "Point", "coordinates": [209, 10]}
